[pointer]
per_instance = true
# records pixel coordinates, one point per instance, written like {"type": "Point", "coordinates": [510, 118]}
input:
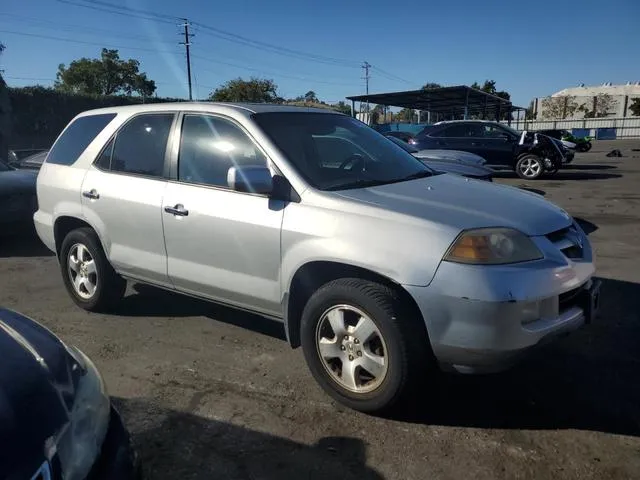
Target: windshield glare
{"type": "Point", "coordinates": [334, 152]}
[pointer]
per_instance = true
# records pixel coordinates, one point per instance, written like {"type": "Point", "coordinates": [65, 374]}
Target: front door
{"type": "Point", "coordinates": [499, 144]}
{"type": "Point", "coordinates": [221, 244]}
{"type": "Point", "coordinates": [122, 197]}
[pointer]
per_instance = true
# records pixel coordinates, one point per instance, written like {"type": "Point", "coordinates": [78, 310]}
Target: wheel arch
{"type": "Point", "coordinates": [67, 223]}
{"type": "Point", "coordinates": [312, 275]}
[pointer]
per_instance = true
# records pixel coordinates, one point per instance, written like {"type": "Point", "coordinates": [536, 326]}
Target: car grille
{"type": "Point", "coordinates": [569, 241]}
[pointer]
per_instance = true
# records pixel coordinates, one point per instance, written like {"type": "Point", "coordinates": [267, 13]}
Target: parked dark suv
{"type": "Point", "coordinates": [499, 144]}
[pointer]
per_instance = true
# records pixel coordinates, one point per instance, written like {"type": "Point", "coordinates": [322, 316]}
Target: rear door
{"type": "Point", "coordinates": [453, 137]}
{"type": "Point", "coordinates": [122, 196]}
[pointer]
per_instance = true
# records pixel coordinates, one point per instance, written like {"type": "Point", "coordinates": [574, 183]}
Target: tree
{"type": "Point", "coordinates": [342, 107]}
{"type": "Point", "coordinates": [256, 90]}
{"type": "Point", "coordinates": [603, 103]}
{"type": "Point", "coordinates": [405, 115]}
{"type": "Point", "coordinates": [310, 96]}
{"type": "Point", "coordinates": [430, 85]}
{"type": "Point", "coordinates": [108, 75]}
{"type": "Point", "coordinates": [560, 107]}
{"type": "Point", "coordinates": [635, 106]}
{"type": "Point", "coordinates": [529, 113]}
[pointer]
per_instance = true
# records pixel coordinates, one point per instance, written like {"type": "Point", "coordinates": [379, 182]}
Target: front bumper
{"type": "Point", "coordinates": [481, 319]}
{"type": "Point", "coordinates": [118, 460]}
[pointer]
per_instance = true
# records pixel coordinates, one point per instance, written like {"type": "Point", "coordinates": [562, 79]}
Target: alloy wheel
{"type": "Point", "coordinates": [531, 167]}
{"type": "Point", "coordinates": [82, 271]}
{"type": "Point", "coordinates": [351, 348]}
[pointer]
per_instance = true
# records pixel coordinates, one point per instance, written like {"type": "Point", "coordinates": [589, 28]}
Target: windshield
{"type": "Point", "coordinates": [335, 152]}
{"type": "Point", "coordinates": [511, 130]}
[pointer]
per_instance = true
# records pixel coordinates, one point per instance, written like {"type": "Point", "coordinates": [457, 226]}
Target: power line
{"type": "Point", "coordinates": [216, 32]}
{"type": "Point", "coordinates": [87, 30]}
{"type": "Point", "coordinates": [267, 72]}
{"type": "Point", "coordinates": [390, 76]}
{"type": "Point", "coordinates": [116, 12]}
{"type": "Point", "coordinates": [100, 44]}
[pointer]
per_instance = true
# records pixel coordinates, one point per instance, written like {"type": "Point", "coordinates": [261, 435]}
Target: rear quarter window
{"type": "Point", "coordinates": [77, 137]}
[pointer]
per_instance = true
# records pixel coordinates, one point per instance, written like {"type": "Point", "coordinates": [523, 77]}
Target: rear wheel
{"type": "Point", "coordinates": [530, 167]}
{"type": "Point", "coordinates": [362, 345]}
{"type": "Point", "coordinates": [87, 274]}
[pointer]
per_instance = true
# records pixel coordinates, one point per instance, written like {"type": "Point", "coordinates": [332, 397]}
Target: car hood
{"type": "Point", "coordinates": [15, 181]}
{"type": "Point", "coordinates": [463, 204]}
{"type": "Point", "coordinates": [458, 168]}
{"type": "Point", "coordinates": [35, 385]}
{"type": "Point", "coordinates": [455, 156]}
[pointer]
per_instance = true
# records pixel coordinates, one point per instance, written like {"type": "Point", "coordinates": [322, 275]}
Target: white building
{"type": "Point", "coordinates": [585, 98]}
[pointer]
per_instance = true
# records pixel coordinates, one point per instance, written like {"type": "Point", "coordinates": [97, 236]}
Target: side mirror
{"type": "Point", "coordinates": [252, 179]}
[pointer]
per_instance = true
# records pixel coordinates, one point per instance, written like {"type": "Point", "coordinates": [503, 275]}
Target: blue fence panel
{"type": "Point", "coordinates": [605, 133]}
{"type": "Point", "coordinates": [412, 128]}
{"type": "Point", "coordinates": [581, 132]}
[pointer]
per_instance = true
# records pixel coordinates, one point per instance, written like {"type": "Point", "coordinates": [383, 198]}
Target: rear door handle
{"type": "Point", "coordinates": [92, 194]}
{"type": "Point", "coordinates": [177, 210]}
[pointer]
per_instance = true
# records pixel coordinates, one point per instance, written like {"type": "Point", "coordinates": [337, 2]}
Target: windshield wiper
{"type": "Point", "coordinates": [358, 184]}
{"type": "Point", "coordinates": [414, 176]}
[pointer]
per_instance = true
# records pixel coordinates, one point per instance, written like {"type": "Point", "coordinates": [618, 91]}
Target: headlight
{"type": "Point", "coordinates": [493, 246]}
{"type": "Point", "coordinates": [81, 442]}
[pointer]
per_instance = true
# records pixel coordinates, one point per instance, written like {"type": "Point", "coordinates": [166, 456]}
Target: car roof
{"type": "Point", "coordinates": [212, 107]}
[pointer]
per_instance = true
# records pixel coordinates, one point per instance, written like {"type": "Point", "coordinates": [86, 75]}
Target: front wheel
{"type": "Point", "coordinates": [586, 146]}
{"type": "Point", "coordinates": [529, 167]}
{"type": "Point", "coordinates": [362, 345]}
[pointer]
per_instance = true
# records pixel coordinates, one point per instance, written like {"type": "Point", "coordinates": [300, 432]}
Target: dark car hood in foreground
{"type": "Point", "coordinates": [36, 388]}
{"type": "Point", "coordinates": [463, 204]}
{"type": "Point", "coordinates": [18, 181]}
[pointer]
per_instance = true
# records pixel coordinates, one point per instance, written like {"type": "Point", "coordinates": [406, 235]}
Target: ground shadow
{"type": "Point", "coordinates": [588, 380]}
{"type": "Point", "coordinates": [586, 225]}
{"type": "Point", "coordinates": [172, 444]}
{"type": "Point", "coordinates": [565, 175]}
{"type": "Point", "coordinates": [23, 244]}
{"type": "Point", "coordinates": [533, 190]}
{"type": "Point", "coordinates": [149, 301]}
{"type": "Point", "coordinates": [589, 167]}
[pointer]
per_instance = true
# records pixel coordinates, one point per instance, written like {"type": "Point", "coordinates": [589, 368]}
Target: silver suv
{"type": "Point", "coordinates": [380, 268]}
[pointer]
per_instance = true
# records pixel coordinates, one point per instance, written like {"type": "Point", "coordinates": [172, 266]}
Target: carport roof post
{"type": "Point", "coordinates": [459, 99]}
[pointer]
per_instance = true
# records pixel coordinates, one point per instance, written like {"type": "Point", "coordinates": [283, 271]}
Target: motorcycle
{"type": "Point", "coordinates": [583, 144]}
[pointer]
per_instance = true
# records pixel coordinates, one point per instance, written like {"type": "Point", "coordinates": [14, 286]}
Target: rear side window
{"type": "Point", "coordinates": [139, 147]}
{"type": "Point", "coordinates": [77, 137]}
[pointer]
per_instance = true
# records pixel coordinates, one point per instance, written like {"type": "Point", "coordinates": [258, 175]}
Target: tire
{"type": "Point", "coordinates": [530, 167]}
{"type": "Point", "coordinates": [587, 147]}
{"type": "Point", "coordinates": [399, 339]}
{"type": "Point", "coordinates": [82, 248]}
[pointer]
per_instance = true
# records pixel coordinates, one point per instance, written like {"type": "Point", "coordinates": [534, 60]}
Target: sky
{"type": "Point", "coordinates": [530, 49]}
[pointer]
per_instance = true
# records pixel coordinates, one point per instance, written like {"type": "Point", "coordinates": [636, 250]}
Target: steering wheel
{"type": "Point", "coordinates": [353, 160]}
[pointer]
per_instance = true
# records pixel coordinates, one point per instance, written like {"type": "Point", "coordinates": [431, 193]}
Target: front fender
{"type": "Point", "coordinates": [406, 252]}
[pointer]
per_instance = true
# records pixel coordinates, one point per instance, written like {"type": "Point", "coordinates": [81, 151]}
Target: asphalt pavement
{"type": "Point", "coordinates": [210, 392]}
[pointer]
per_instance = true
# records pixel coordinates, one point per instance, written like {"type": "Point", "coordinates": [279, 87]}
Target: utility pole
{"type": "Point", "coordinates": [187, 44]}
{"type": "Point", "coordinates": [366, 66]}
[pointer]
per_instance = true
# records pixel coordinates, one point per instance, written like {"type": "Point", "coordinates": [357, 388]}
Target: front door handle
{"type": "Point", "coordinates": [177, 210]}
{"type": "Point", "coordinates": [92, 194]}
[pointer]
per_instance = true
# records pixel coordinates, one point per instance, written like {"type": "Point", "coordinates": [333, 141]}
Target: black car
{"type": "Point", "coordinates": [404, 136]}
{"type": "Point", "coordinates": [442, 165]}
{"type": "Point", "coordinates": [529, 154]}
{"type": "Point", "coordinates": [56, 419]}
{"type": "Point", "coordinates": [18, 200]}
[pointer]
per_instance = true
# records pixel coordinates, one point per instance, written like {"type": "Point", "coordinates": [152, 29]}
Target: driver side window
{"type": "Point", "coordinates": [209, 146]}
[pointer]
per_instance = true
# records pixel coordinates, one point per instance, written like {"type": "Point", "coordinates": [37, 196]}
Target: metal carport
{"type": "Point", "coordinates": [452, 102]}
